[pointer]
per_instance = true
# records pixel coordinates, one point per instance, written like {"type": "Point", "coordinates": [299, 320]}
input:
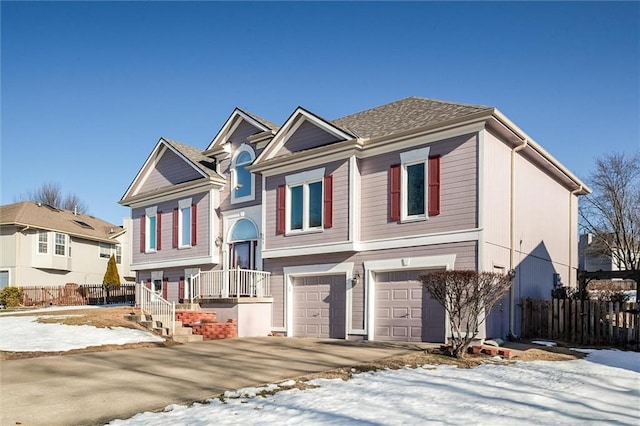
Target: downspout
{"type": "Point", "coordinates": [512, 251]}
{"type": "Point", "coordinates": [571, 235]}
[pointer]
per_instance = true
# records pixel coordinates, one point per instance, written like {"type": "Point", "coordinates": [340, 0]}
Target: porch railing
{"type": "Point", "coordinates": [160, 309]}
{"type": "Point", "coordinates": [230, 283]}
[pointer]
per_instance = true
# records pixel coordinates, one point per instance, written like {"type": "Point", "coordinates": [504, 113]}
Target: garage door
{"type": "Point", "coordinates": [404, 310]}
{"type": "Point", "coordinates": [319, 306]}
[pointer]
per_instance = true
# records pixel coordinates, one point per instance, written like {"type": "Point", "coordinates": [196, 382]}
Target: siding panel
{"type": "Point", "coordinates": [170, 170]}
{"type": "Point", "coordinates": [458, 192]}
{"type": "Point", "coordinates": [307, 136]}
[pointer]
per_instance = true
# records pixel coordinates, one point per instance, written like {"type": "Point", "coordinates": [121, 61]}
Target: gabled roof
{"type": "Point", "coordinates": [232, 122]}
{"type": "Point", "coordinates": [205, 166]}
{"type": "Point", "coordinates": [41, 216]}
{"type": "Point", "coordinates": [405, 114]}
{"type": "Point", "coordinates": [291, 124]}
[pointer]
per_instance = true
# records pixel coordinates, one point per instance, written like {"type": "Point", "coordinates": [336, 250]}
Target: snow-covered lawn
{"type": "Point", "coordinates": [603, 388]}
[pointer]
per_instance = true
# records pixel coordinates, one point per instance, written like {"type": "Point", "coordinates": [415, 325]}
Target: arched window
{"type": "Point", "coordinates": [243, 181]}
{"type": "Point", "coordinates": [244, 230]}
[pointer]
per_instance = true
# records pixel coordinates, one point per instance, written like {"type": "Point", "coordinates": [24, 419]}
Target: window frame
{"type": "Point", "coordinates": [234, 174]}
{"type": "Point", "coordinates": [118, 254]}
{"type": "Point", "coordinates": [151, 213]}
{"type": "Point", "coordinates": [304, 180]}
{"type": "Point", "coordinates": [65, 244]}
{"type": "Point", "coordinates": [109, 247]}
{"type": "Point", "coordinates": [45, 242]}
{"type": "Point", "coordinates": [183, 205]}
{"type": "Point", "coordinates": [408, 159]}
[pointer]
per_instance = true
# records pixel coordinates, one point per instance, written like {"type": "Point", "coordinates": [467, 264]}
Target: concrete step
{"type": "Point", "coordinates": [188, 307]}
{"type": "Point", "coordinates": [162, 331]}
{"type": "Point", "coordinates": [183, 331]}
{"type": "Point", "coordinates": [188, 338]}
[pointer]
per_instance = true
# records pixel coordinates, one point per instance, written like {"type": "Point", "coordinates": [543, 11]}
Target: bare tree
{"type": "Point", "coordinates": [50, 193]}
{"type": "Point", "coordinates": [612, 212]}
{"type": "Point", "coordinates": [467, 297]}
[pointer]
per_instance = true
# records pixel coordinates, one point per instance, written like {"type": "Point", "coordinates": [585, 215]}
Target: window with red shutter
{"type": "Point", "coordinates": [159, 231]}
{"type": "Point", "coordinates": [175, 228]}
{"type": "Point", "coordinates": [328, 201]}
{"type": "Point", "coordinates": [281, 209]}
{"type": "Point", "coordinates": [394, 192]}
{"type": "Point", "coordinates": [434, 185]}
{"type": "Point", "coordinates": [143, 233]}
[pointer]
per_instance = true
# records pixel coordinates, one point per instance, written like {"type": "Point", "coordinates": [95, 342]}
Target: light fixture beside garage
{"type": "Point", "coordinates": [355, 278]}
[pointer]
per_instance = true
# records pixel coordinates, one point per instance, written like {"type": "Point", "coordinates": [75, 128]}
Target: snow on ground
{"type": "Point", "coordinates": [24, 334]}
{"type": "Point", "coordinates": [543, 343]}
{"type": "Point", "coordinates": [603, 388]}
{"type": "Point", "coordinates": [591, 391]}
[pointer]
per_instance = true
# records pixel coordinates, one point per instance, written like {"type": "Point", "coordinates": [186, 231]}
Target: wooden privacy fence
{"type": "Point", "coordinates": [78, 294]}
{"type": "Point", "coordinates": [586, 322]}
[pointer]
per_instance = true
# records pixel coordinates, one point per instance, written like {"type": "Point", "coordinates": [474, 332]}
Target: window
{"type": "Point", "coordinates": [60, 245]}
{"type": "Point", "coordinates": [118, 254]}
{"type": "Point", "coordinates": [43, 242]}
{"type": "Point", "coordinates": [151, 230]}
{"type": "Point", "coordinates": [305, 203]}
{"type": "Point", "coordinates": [105, 250]}
{"type": "Point", "coordinates": [185, 219]}
{"type": "Point", "coordinates": [414, 186]}
{"type": "Point", "coordinates": [4, 279]}
{"type": "Point", "coordinates": [242, 180]}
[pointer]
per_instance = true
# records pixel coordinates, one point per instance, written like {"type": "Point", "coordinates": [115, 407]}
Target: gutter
{"type": "Point", "coordinates": [512, 236]}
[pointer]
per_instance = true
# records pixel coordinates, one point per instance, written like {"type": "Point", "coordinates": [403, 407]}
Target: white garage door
{"type": "Point", "coordinates": [319, 306]}
{"type": "Point", "coordinates": [404, 310]}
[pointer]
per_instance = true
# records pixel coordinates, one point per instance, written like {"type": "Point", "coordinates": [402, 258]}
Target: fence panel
{"type": "Point", "coordinates": [582, 322]}
{"type": "Point", "coordinates": [78, 295]}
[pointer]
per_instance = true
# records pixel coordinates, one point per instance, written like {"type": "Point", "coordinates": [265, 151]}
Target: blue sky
{"type": "Point", "coordinates": [88, 88]}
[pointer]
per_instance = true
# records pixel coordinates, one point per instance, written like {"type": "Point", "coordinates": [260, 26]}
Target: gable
{"type": "Point", "coordinates": [239, 123]}
{"type": "Point", "coordinates": [169, 170]}
{"type": "Point", "coordinates": [242, 132]}
{"type": "Point", "coordinates": [306, 136]}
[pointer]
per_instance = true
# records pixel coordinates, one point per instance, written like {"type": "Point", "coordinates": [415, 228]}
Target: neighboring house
{"type": "Point", "coordinates": [345, 214]}
{"type": "Point", "coordinates": [45, 246]}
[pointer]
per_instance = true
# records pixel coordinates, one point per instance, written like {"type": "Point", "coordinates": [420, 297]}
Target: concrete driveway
{"type": "Point", "coordinates": [96, 388]}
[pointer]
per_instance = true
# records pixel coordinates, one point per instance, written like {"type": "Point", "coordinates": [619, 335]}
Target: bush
{"type": "Point", "coordinates": [11, 297]}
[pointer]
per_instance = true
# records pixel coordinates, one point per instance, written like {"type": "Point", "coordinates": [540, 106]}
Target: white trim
{"type": "Point", "coordinates": [185, 203]}
{"type": "Point", "coordinates": [203, 260]}
{"type": "Point", "coordinates": [151, 211]}
{"type": "Point", "coordinates": [234, 177]}
{"type": "Point", "coordinates": [463, 235]}
{"type": "Point", "coordinates": [305, 177]}
{"type": "Point", "coordinates": [481, 198]}
{"type": "Point", "coordinates": [291, 125]}
{"type": "Point", "coordinates": [173, 192]}
{"type": "Point", "coordinates": [354, 200]}
{"type": "Point", "coordinates": [224, 132]}
{"type": "Point", "coordinates": [446, 261]}
{"type": "Point", "coordinates": [291, 272]}
{"type": "Point", "coordinates": [415, 156]}
{"type": "Point", "coordinates": [213, 222]}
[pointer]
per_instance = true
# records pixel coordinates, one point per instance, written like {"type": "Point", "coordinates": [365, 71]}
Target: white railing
{"type": "Point", "coordinates": [160, 309]}
{"type": "Point", "coordinates": [230, 283]}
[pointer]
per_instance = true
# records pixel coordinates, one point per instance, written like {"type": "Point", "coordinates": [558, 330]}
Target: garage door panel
{"type": "Point", "coordinates": [319, 306]}
{"type": "Point", "coordinates": [414, 315]}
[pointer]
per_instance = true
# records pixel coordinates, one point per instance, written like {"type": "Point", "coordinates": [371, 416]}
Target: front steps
{"type": "Point", "coordinates": [182, 334]}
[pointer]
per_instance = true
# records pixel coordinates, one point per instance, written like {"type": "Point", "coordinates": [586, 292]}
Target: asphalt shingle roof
{"type": "Point", "coordinates": [204, 163]}
{"type": "Point", "coordinates": [405, 114]}
{"type": "Point", "coordinates": [263, 121]}
{"type": "Point", "coordinates": [41, 216]}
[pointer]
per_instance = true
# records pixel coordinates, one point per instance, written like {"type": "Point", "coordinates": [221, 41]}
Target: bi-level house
{"type": "Point", "coordinates": [326, 225]}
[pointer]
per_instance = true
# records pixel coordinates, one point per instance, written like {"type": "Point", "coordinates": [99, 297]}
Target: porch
{"type": "Point", "coordinates": [228, 285]}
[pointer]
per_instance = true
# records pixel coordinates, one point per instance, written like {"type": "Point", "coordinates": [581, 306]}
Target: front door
{"type": "Point", "coordinates": [243, 255]}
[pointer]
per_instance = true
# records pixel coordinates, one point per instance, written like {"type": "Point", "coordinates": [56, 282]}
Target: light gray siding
{"type": "Point", "coordinates": [167, 252]}
{"type": "Point", "coordinates": [170, 170]}
{"type": "Point", "coordinates": [307, 136]}
{"type": "Point", "coordinates": [458, 191]}
{"type": "Point", "coordinates": [340, 230]}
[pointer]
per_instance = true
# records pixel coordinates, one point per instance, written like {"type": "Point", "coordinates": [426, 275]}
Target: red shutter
{"type": "Point", "coordinates": [394, 192]}
{"type": "Point", "coordinates": [149, 284]}
{"type": "Point", "coordinates": [143, 233]}
{"type": "Point", "coordinates": [159, 231]}
{"type": "Point", "coordinates": [328, 201]}
{"type": "Point", "coordinates": [194, 224]}
{"type": "Point", "coordinates": [281, 209]}
{"type": "Point", "coordinates": [165, 288]}
{"type": "Point", "coordinates": [175, 228]}
{"type": "Point", "coordinates": [181, 288]}
{"type": "Point", "coordinates": [434, 185]}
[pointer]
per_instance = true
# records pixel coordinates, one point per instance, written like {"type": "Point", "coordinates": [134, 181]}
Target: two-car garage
{"type": "Point", "coordinates": [402, 309]}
